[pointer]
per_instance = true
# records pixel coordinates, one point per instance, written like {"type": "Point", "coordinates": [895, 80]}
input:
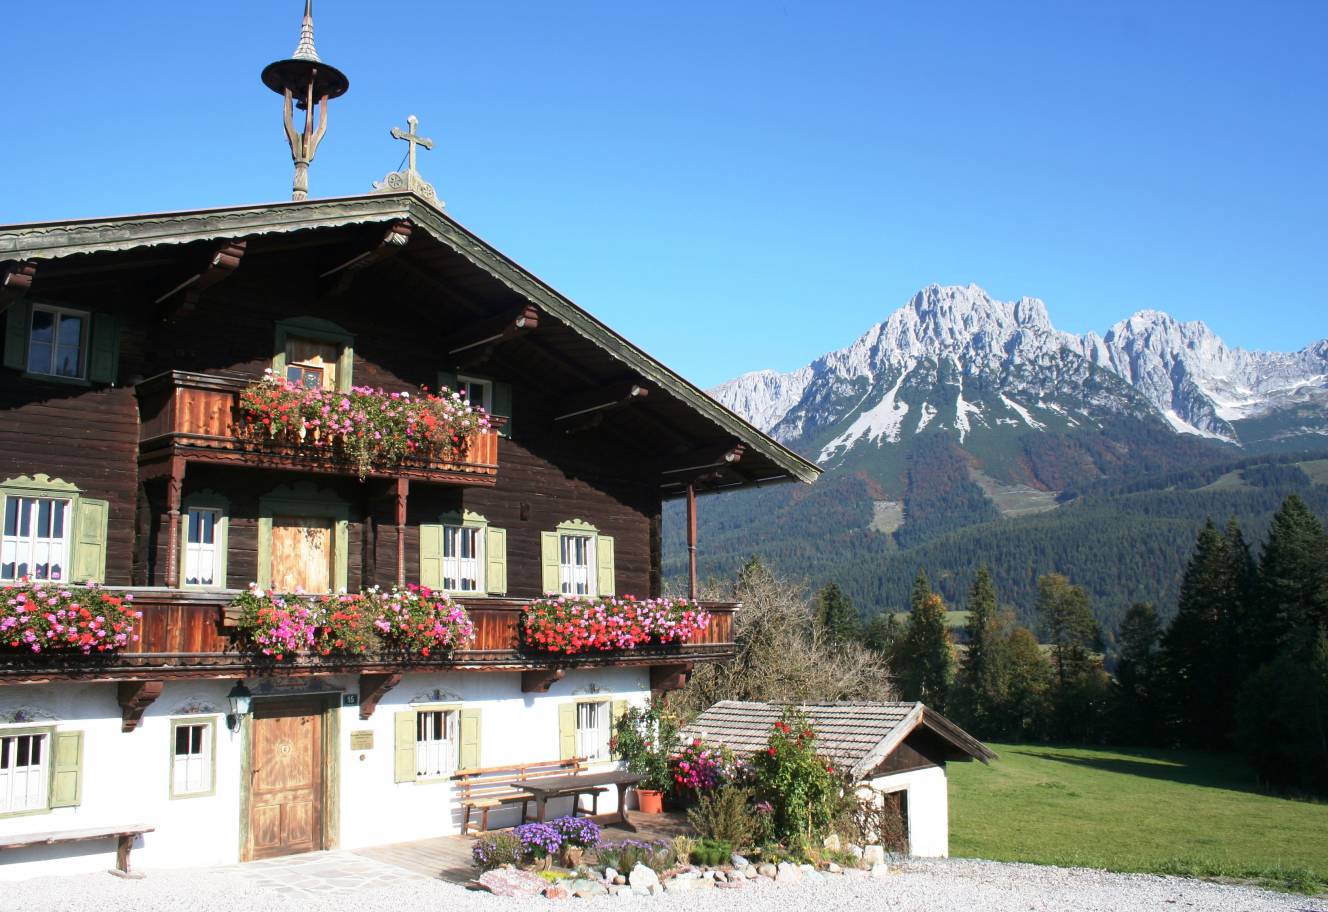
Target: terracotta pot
{"type": "Point", "coordinates": [650, 800]}
{"type": "Point", "coordinates": [571, 856]}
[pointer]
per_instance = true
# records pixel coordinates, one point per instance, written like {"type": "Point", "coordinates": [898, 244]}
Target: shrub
{"type": "Point", "coordinates": [701, 768]}
{"type": "Point", "coordinates": [496, 850]}
{"type": "Point", "coordinates": [643, 738]}
{"type": "Point", "coordinates": [50, 617]}
{"type": "Point", "coordinates": [801, 787]}
{"type": "Point", "coordinates": [625, 855]}
{"type": "Point", "coordinates": [538, 840]}
{"type": "Point", "coordinates": [712, 853]}
{"type": "Point", "coordinates": [726, 815]}
{"type": "Point", "coordinates": [581, 832]}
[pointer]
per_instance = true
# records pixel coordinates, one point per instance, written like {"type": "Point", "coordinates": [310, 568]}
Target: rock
{"type": "Point", "coordinates": [619, 890]}
{"type": "Point", "coordinates": [835, 869]}
{"type": "Point", "coordinates": [749, 872]}
{"type": "Point", "coordinates": [813, 876]}
{"type": "Point", "coordinates": [880, 870]}
{"type": "Point", "coordinates": [642, 877]}
{"type": "Point", "coordinates": [556, 891]}
{"type": "Point", "coordinates": [788, 873]}
{"type": "Point", "coordinates": [730, 885]}
{"type": "Point", "coordinates": [767, 870]}
{"type": "Point", "coordinates": [738, 861]}
{"type": "Point", "coordinates": [832, 842]}
{"type": "Point", "coordinates": [512, 882]}
{"type": "Point", "coordinates": [855, 850]}
{"type": "Point", "coordinates": [806, 868]}
{"type": "Point", "coordinates": [656, 889]}
{"type": "Point", "coordinates": [583, 887]}
{"type": "Point", "coordinates": [619, 879]}
{"type": "Point", "coordinates": [610, 875]}
{"type": "Point", "coordinates": [873, 855]}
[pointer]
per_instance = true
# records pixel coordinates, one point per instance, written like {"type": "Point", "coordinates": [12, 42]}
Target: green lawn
{"type": "Point", "coordinates": [1165, 812]}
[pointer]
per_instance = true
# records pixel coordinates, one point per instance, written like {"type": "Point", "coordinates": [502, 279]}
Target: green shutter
{"type": "Point", "coordinates": [404, 746]}
{"type": "Point", "coordinates": [604, 559]}
{"type": "Point", "coordinates": [495, 560]}
{"type": "Point", "coordinates": [470, 739]}
{"type": "Point", "coordinates": [431, 555]}
{"type": "Point", "coordinates": [90, 542]}
{"type": "Point", "coordinates": [566, 731]}
{"type": "Point", "coordinates": [16, 335]}
{"type": "Point", "coordinates": [104, 357]}
{"type": "Point", "coordinates": [66, 769]}
{"type": "Point", "coordinates": [551, 575]}
{"type": "Point", "coordinates": [618, 710]}
{"type": "Point", "coordinates": [447, 379]}
{"type": "Point", "coordinates": [502, 405]}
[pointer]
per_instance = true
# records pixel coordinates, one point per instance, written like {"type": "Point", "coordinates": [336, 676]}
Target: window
{"type": "Point", "coordinates": [463, 561]}
{"type": "Point", "coordinates": [592, 730]}
{"type": "Point", "coordinates": [311, 363]}
{"type": "Point", "coordinates": [35, 539]}
{"type": "Point", "coordinates": [191, 759]}
{"type": "Point", "coordinates": [436, 743]}
{"type": "Point", "coordinates": [576, 560]}
{"type": "Point", "coordinates": [23, 772]}
{"type": "Point", "coordinates": [56, 341]}
{"type": "Point", "coordinates": [479, 392]}
{"type": "Point", "coordinates": [201, 566]}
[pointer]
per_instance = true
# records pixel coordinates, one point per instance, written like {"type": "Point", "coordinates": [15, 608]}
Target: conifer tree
{"type": "Point", "coordinates": [883, 635]}
{"type": "Point", "coordinates": [983, 676]}
{"type": "Point", "coordinates": [835, 614]}
{"type": "Point", "coordinates": [1137, 698]}
{"type": "Point", "coordinates": [1291, 606]}
{"type": "Point", "coordinates": [924, 661]}
{"type": "Point", "coordinates": [1067, 624]}
{"type": "Point", "coordinates": [1023, 713]}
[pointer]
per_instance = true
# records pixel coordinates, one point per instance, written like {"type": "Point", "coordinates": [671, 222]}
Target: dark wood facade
{"type": "Point", "coordinates": [161, 427]}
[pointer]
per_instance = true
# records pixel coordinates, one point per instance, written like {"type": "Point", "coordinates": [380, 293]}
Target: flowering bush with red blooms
{"type": "Point", "coordinates": [369, 427]}
{"type": "Point", "coordinates": [703, 769]}
{"type": "Point", "coordinates": [415, 621]}
{"type": "Point", "coordinates": [572, 624]}
{"type": "Point", "coordinates": [801, 786]}
{"type": "Point", "coordinates": [39, 616]}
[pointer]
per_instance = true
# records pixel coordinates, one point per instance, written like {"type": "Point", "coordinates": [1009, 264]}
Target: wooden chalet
{"type": "Point", "coordinates": [126, 459]}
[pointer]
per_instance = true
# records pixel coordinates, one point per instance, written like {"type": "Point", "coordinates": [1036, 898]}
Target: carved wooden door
{"type": "Point", "coordinates": [301, 554]}
{"type": "Point", "coordinates": [285, 778]}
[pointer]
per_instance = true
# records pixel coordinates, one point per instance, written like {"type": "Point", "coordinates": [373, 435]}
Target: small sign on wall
{"type": "Point", "coordinates": [361, 740]}
{"type": "Point", "coordinates": [350, 699]}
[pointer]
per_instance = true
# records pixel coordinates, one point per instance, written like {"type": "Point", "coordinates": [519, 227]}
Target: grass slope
{"type": "Point", "coordinates": [1164, 812]}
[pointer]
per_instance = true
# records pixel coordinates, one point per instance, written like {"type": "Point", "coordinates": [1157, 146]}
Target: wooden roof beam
{"type": "Point", "coordinates": [484, 334]}
{"type": "Point", "coordinates": [134, 698]}
{"type": "Point", "coordinates": [15, 280]}
{"type": "Point", "coordinates": [703, 461]}
{"type": "Point", "coordinates": [589, 408]}
{"type": "Point", "coordinates": [221, 265]}
{"type": "Point", "coordinates": [392, 242]}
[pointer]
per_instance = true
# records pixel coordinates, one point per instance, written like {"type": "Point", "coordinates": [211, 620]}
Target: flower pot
{"type": "Point", "coordinates": [571, 856]}
{"type": "Point", "coordinates": [650, 800]}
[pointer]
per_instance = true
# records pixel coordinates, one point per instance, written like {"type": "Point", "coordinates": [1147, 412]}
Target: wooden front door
{"type": "Point", "coordinates": [285, 778]}
{"type": "Point", "coordinates": [301, 553]}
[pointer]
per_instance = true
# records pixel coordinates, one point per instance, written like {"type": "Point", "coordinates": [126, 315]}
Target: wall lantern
{"type": "Point", "coordinates": [240, 699]}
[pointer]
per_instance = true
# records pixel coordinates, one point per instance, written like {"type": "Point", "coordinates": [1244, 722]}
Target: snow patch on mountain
{"type": "Point", "coordinates": [881, 422]}
{"type": "Point", "coordinates": [1023, 413]}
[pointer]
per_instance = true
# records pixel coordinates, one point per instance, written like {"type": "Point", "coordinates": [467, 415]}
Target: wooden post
{"type": "Point", "coordinates": [691, 541]}
{"type": "Point", "coordinates": [174, 490]}
{"type": "Point", "coordinates": [403, 491]}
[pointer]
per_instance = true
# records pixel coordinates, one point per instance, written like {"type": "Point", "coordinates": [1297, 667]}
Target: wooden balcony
{"type": "Point", "coordinates": [187, 635]}
{"type": "Point", "coordinates": [196, 417]}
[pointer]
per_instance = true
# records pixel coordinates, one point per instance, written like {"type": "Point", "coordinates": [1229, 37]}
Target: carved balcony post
{"type": "Point", "coordinates": [174, 491]}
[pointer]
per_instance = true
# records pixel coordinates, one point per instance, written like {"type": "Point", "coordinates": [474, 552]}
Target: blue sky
{"type": "Point", "coordinates": [738, 185]}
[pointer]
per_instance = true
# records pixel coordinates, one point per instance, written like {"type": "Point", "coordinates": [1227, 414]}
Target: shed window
{"type": "Point", "coordinates": [463, 560]}
{"type": "Point", "coordinates": [310, 363]}
{"type": "Point", "coordinates": [576, 564]}
{"type": "Point", "coordinates": [35, 539]}
{"type": "Point", "coordinates": [23, 773]}
{"type": "Point", "coordinates": [478, 392]}
{"type": "Point", "coordinates": [191, 770]}
{"type": "Point", "coordinates": [436, 743]}
{"type": "Point", "coordinates": [592, 730]}
{"type": "Point", "coordinates": [56, 341]}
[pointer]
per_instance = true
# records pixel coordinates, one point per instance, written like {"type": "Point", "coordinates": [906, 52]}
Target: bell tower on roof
{"type": "Point", "coordinates": [305, 82]}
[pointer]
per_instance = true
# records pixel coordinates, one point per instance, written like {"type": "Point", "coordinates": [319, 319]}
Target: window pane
{"type": "Point", "coordinates": [39, 358]}
{"type": "Point", "coordinates": [43, 326]}
{"type": "Point", "coordinates": [181, 740]}
{"type": "Point", "coordinates": [11, 515]}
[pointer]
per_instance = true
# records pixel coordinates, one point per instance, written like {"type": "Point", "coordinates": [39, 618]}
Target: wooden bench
{"type": "Point", "coordinates": [485, 788]}
{"type": "Point", "coordinates": [124, 835]}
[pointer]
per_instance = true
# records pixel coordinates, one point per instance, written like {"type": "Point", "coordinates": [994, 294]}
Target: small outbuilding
{"type": "Point", "coordinates": [897, 750]}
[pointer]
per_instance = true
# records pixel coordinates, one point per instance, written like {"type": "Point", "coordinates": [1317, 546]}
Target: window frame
{"type": "Point", "coordinates": [605, 707]}
{"type": "Point", "coordinates": [315, 329]}
{"type": "Point", "coordinates": [67, 539]}
{"type": "Point", "coordinates": [452, 718]}
{"type": "Point", "coordinates": [210, 723]}
{"type": "Point", "coordinates": [84, 342]}
{"type": "Point", "coordinates": [485, 385]}
{"type": "Point", "coordinates": [478, 557]}
{"type": "Point", "coordinates": [48, 748]}
{"type": "Point", "coordinates": [207, 500]}
{"type": "Point", "coordinates": [566, 586]}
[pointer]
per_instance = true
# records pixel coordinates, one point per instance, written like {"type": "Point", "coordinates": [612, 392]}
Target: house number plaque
{"type": "Point", "coordinates": [361, 740]}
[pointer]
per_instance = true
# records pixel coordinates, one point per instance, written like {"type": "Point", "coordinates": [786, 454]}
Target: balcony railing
{"type": "Point", "coordinates": [196, 416]}
{"type": "Point", "coordinates": [188, 634]}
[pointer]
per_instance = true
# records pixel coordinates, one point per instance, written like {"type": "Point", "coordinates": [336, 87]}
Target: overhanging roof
{"type": "Point", "coordinates": [56, 240]}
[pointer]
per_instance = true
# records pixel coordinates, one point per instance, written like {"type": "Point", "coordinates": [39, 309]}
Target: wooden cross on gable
{"type": "Point", "coordinates": [413, 137]}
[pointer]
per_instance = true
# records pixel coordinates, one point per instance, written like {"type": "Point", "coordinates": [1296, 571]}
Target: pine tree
{"type": "Point", "coordinates": [921, 590]}
{"type": "Point", "coordinates": [1137, 698]}
{"type": "Point", "coordinates": [1067, 624]}
{"type": "Point", "coordinates": [883, 635]}
{"type": "Point", "coordinates": [924, 662]}
{"type": "Point", "coordinates": [1200, 646]}
{"type": "Point", "coordinates": [1291, 605]}
{"type": "Point", "coordinates": [983, 676]}
{"type": "Point", "coordinates": [1023, 714]}
{"type": "Point", "coordinates": [835, 614]}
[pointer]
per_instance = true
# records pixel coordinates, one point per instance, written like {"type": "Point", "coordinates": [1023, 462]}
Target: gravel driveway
{"type": "Point", "coordinates": [958, 885]}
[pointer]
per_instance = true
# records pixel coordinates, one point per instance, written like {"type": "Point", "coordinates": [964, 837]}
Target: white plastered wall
{"type": "Point", "coordinates": [126, 775]}
{"type": "Point", "coordinates": [928, 808]}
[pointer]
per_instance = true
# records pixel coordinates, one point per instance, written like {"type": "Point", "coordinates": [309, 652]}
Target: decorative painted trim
{"type": "Point", "coordinates": [577, 526]}
{"type": "Point", "coordinates": [435, 696]}
{"type": "Point", "coordinates": [196, 706]}
{"type": "Point", "coordinates": [211, 723]}
{"type": "Point", "coordinates": [24, 715]}
{"type": "Point", "coordinates": [41, 482]}
{"type": "Point", "coordinates": [304, 499]}
{"type": "Point", "coordinates": [462, 518]}
{"type": "Point", "coordinates": [207, 499]}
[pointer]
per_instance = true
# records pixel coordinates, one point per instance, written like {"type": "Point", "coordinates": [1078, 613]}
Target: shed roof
{"type": "Point", "coordinates": [856, 736]}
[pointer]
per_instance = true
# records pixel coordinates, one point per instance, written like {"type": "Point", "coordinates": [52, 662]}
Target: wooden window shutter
{"type": "Point", "coordinates": [605, 566]}
{"type": "Point", "coordinates": [66, 769]}
{"type": "Point", "coordinates": [431, 555]}
{"type": "Point", "coordinates": [470, 739]}
{"type": "Point", "coordinates": [404, 746]}
{"type": "Point", "coordinates": [551, 575]}
{"type": "Point", "coordinates": [495, 560]}
{"type": "Point", "coordinates": [447, 379]}
{"type": "Point", "coordinates": [16, 335]}
{"type": "Point", "coordinates": [618, 710]}
{"type": "Point", "coordinates": [502, 405]}
{"type": "Point", "coordinates": [104, 354]}
{"type": "Point", "coordinates": [566, 731]}
{"type": "Point", "coordinates": [90, 542]}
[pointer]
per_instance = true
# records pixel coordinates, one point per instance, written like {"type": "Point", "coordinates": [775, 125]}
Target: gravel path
{"type": "Point", "coordinates": [942, 886]}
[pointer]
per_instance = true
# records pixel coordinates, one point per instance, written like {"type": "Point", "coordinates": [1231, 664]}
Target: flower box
{"type": "Point", "coordinates": [571, 625]}
{"type": "Point", "coordinates": [44, 616]}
